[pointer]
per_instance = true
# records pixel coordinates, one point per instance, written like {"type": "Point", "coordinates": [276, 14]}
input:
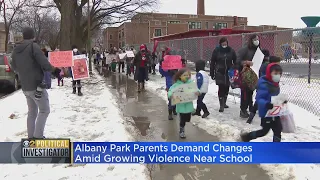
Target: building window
{"type": "Point", "coordinates": [119, 44]}
{"type": "Point", "coordinates": [122, 33]}
{"type": "Point", "coordinates": [157, 32]}
{"type": "Point", "coordinates": [119, 35]}
{"type": "Point", "coordinates": [111, 45]}
{"type": "Point", "coordinates": [242, 24]}
{"type": "Point", "coordinates": [193, 16]}
{"type": "Point", "coordinates": [110, 37]}
{"type": "Point", "coordinates": [207, 25]}
{"type": "Point", "coordinates": [194, 25]}
{"type": "Point", "coordinates": [173, 22]}
{"type": "Point", "coordinates": [172, 15]}
{"type": "Point", "coordinates": [221, 25]}
{"type": "Point", "coordinates": [123, 44]}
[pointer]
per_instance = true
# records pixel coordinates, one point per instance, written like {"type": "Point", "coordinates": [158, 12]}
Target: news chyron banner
{"type": "Point", "coordinates": [36, 151]}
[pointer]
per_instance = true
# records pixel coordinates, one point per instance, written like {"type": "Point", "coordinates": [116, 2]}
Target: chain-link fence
{"type": "Point", "coordinates": [299, 50]}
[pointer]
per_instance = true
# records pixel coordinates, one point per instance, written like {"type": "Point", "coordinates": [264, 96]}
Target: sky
{"type": "Point", "coordinates": [283, 13]}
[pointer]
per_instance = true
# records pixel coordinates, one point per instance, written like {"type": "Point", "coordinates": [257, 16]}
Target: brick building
{"type": "Point", "coordinates": [146, 26]}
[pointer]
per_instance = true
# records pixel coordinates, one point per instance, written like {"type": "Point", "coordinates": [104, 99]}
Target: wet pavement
{"type": "Point", "coordinates": [150, 116]}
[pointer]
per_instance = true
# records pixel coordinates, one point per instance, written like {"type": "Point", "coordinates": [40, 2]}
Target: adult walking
{"type": "Point", "coordinates": [223, 58]}
{"type": "Point", "coordinates": [244, 60]}
{"type": "Point", "coordinates": [141, 60]}
{"type": "Point", "coordinates": [30, 63]}
{"type": "Point", "coordinates": [76, 84]}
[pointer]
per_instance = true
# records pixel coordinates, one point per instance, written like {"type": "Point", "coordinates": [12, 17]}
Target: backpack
{"type": "Point", "coordinates": [249, 78]}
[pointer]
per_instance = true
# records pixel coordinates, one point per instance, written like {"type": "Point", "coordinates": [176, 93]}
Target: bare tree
{"type": "Point", "coordinates": [12, 9]}
{"type": "Point", "coordinates": [74, 16]}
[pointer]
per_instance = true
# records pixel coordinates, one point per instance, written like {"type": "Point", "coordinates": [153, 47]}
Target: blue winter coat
{"type": "Point", "coordinates": [265, 90]}
{"type": "Point", "coordinates": [168, 76]}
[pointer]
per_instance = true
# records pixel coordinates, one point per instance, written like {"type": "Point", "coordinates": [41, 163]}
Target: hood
{"type": "Point", "coordinates": [22, 46]}
{"type": "Point", "coordinates": [268, 73]}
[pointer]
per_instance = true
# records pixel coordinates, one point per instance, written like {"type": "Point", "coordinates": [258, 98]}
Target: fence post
{"type": "Point", "coordinates": [243, 40]}
{"type": "Point", "coordinates": [310, 56]}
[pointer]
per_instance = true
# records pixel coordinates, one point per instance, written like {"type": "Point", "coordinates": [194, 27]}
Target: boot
{"type": "Point", "coordinates": [170, 114]}
{"type": "Point", "coordinates": [276, 139]}
{"type": "Point", "coordinates": [197, 113]}
{"type": "Point", "coordinates": [139, 87]}
{"type": "Point", "coordinates": [251, 116]}
{"type": "Point", "coordinates": [206, 112]}
{"type": "Point", "coordinates": [245, 137]}
{"type": "Point", "coordinates": [61, 82]}
{"type": "Point", "coordinates": [142, 87]}
{"type": "Point", "coordinates": [174, 111]}
{"type": "Point", "coordinates": [225, 102]}
{"type": "Point", "coordinates": [244, 114]}
{"type": "Point", "coordinates": [74, 90]}
{"type": "Point", "coordinates": [58, 83]}
{"type": "Point", "coordinates": [79, 92]}
{"type": "Point", "coordinates": [221, 101]}
{"type": "Point", "coordinates": [182, 133]}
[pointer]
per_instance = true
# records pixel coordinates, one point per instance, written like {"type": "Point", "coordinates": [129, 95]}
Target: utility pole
{"type": "Point", "coordinates": [89, 39]}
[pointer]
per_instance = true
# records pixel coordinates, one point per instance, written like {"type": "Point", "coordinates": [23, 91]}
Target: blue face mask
{"type": "Point", "coordinates": [276, 78]}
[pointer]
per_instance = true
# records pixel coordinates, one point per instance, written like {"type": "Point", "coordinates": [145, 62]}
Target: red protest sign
{"type": "Point", "coordinates": [171, 62]}
{"type": "Point", "coordinates": [80, 69]}
{"type": "Point", "coordinates": [61, 58]}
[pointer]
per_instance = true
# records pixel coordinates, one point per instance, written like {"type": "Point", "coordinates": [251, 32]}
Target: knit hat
{"type": "Point", "coordinates": [27, 33]}
{"type": "Point", "coordinates": [142, 47]}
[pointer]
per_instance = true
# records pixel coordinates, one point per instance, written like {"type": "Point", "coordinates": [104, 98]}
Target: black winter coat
{"type": "Point", "coordinates": [221, 61]}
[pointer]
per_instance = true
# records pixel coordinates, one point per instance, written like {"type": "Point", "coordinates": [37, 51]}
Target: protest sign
{"type": "Point", "coordinates": [61, 58]}
{"type": "Point", "coordinates": [279, 107]}
{"type": "Point", "coordinates": [110, 58]}
{"type": "Point", "coordinates": [171, 62]}
{"type": "Point", "coordinates": [184, 93]}
{"type": "Point", "coordinates": [257, 61]}
{"type": "Point", "coordinates": [80, 69]}
{"type": "Point", "coordinates": [130, 54]}
{"type": "Point", "coordinates": [122, 56]}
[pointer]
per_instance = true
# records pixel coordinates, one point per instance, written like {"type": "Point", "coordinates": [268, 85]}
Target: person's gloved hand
{"type": "Point", "coordinates": [269, 106]}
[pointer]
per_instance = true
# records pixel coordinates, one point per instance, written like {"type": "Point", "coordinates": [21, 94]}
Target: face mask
{"type": "Point", "coordinates": [276, 78]}
{"type": "Point", "coordinates": [224, 46]}
{"type": "Point", "coordinates": [256, 42]}
{"type": "Point", "coordinates": [75, 50]}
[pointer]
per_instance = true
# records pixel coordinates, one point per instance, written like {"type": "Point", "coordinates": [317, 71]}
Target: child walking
{"type": "Point", "coordinates": [202, 80]}
{"type": "Point", "coordinates": [184, 109]}
{"type": "Point", "coordinates": [262, 72]}
{"type": "Point", "coordinates": [169, 78]}
{"type": "Point", "coordinates": [268, 86]}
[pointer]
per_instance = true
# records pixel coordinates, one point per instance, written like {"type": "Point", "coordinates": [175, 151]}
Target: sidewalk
{"type": "Point", "coordinates": [228, 126]}
{"type": "Point", "coordinates": [92, 117]}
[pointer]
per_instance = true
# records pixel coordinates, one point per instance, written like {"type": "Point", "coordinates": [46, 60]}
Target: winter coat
{"type": "Point", "coordinates": [245, 54]}
{"type": "Point", "coordinates": [169, 77]}
{"type": "Point", "coordinates": [265, 90]}
{"type": "Point", "coordinates": [137, 62]}
{"type": "Point", "coordinates": [181, 107]}
{"type": "Point", "coordinates": [221, 61]}
{"type": "Point", "coordinates": [202, 80]}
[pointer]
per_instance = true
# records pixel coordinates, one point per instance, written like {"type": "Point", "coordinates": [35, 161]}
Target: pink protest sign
{"type": "Point", "coordinates": [61, 58]}
{"type": "Point", "coordinates": [172, 62]}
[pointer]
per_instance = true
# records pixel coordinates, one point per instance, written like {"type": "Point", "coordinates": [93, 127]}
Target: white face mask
{"type": "Point", "coordinates": [224, 46]}
{"type": "Point", "coordinates": [75, 50]}
{"type": "Point", "coordinates": [256, 42]}
{"type": "Point", "coordinates": [276, 78]}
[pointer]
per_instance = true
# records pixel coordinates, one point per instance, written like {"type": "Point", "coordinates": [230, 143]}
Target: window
{"type": "Point", "coordinates": [221, 25]}
{"type": "Point", "coordinates": [172, 15]}
{"type": "Point", "coordinates": [193, 16]}
{"type": "Point", "coordinates": [122, 33]}
{"type": "Point", "coordinates": [1, 59]}
{"type": "Point", "coordinates": [123, 44]}
{"type": "Point", "coordinates": [119, 44]}
{"type": "Point", "coordinates": [173, 22]}
{"type": "Point", "coordinates": [119, 35]}
{"type": "Point", "coordinates": [110, 37]}
{"type": "Point", "coordinates": [111, 45]}
{"type": "Point", "coordinates": [242, 24]}
{"type": "Point", "coordinates": [194, 25]}
{"type": "Point", "coordinates": [157, 32]}
{"type": "Point", "coordinates": [207, 25]}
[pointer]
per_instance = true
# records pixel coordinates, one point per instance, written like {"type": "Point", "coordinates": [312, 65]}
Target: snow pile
{"type": "Point", "coordinates": [92, 117]}
{"type": "Point", "coordinates": [228, 125]}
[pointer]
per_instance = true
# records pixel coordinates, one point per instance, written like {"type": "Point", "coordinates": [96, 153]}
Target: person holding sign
{"type": "Point", "coordinates": [182, 77]}
{"type": "Point", "coordinates": [268, 86]}
{"type": "Point", "coordinates": [75, 83]}
{"type": "Point", "coordinates": [244, 61]}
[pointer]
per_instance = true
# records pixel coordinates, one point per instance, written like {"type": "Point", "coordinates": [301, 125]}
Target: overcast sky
{"type": "Point", "coordinates": [283, 13]}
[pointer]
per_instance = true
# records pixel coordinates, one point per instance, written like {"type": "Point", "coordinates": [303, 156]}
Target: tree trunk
{"type": "Point", "coordinates": [67, 12]}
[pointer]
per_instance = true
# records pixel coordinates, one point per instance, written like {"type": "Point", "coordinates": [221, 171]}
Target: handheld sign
{"type": "Point", "coordinates": [61, 58]}
{"type": "Point", "coordinates": [279, 107]}
{"type": "Point", "coordinates": [172, 62]}
{"type": "Point", "coordinates": [184, 93]}
{"type": "Point", "coordinates": [80, 69]}
{"type": "Point", "coordinates": [130, 54]}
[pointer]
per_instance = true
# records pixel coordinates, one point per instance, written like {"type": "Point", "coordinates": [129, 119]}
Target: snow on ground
{"type": "Point", "coordinates": [92, 117]}
{"type": "Point", "coordinates": [228, 125]}
{"type": "Point", "coordinates": [301, 60]}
